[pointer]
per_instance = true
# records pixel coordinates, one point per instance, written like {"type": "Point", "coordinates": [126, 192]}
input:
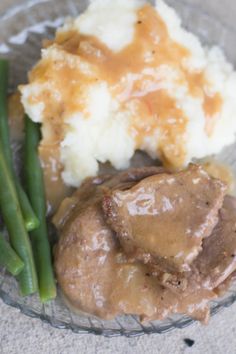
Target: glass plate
{"type": "Point", "coordinates": [23, 25]}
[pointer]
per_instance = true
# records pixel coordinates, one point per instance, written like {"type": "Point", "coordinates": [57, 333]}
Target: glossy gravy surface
{"type": "Point", "coordinates": [15, 117]}
{"type": "Point", "coordinates": [221, 171]}
{"type": "Point", "coordinates": [55, 188]}
{"type": "Point", "coordinates": [135, 76]}
{"type": "Point", "coordinates": [166, 216]}
{"type": "Point", "coordinates": [95, 274]}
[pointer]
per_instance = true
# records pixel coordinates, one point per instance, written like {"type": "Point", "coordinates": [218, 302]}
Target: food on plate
{"type": "Point", "coordinates": [9, 259]}
{"type": "Point", "coordinates": [218, 258]}
{"type": "Point", "coordinates": [182, 206]}
{"type": "Point", "coordinates": [124, 79]}
{"type": "Point", "coordinates": [55, 188]}
{"type": "Point", "coordinates": [29, 216]}
{"type": "Point", "coordinates": [98, 274]}
{"type": "Point", "coordinates": [15, 118]}
{"type": "Point", "coordinates": [214, 266]}
{"type": "Point", "coordinates": [16, 210]}
{"type": "Point", "coordinates": [125, 76]}
{"type": "Point", "coordinates": [13, 219]}
{"type": "Point", "coordinates": [34, 271]}
{"type": "Point", "coordinates": [221, 171]}
{"type": "Point", "coordinates": [36, 193]}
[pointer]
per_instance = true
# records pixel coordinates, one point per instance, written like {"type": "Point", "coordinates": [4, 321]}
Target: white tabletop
{"type": "Point", "coordinates": [23, 335]}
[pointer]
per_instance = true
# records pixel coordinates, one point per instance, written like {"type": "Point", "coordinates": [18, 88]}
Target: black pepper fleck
{"type": "Point", "coordinates": [189, 342]}
{"type": "Point", "coordinates": [139, 22]}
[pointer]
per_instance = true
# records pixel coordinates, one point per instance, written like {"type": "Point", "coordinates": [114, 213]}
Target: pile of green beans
{"type": "Point", "coordinates": [35, 189]}
{"type": "Point", "coordinates": [9, 259]}
{"type": "Point", "coordinates": [13, 219]}
{"type": "Point", "coordinates": [27, 256]}
{"type": "Point", "coordinates": [31, 221]}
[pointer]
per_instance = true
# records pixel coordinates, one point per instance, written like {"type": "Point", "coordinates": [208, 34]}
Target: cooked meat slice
{"type": "Point", "coordinates": [87, 254]}
{"type": "Point", "coordinates": [163, 218]}
{"type": "Point", "coordinates": [195, 304]}
{"type": "Point", "coordinates": [96, 278]}
{"type": "Point", "coordinates": [123, 180]}
{"type": "Point", "coordinates": [218, 257]}
{"type": "Point", "coordinates": [192, 295]}
{"type": "Point", "coordinates": [79, 199]}
{"type": "Point", "coordinates": [215, 263]}
{"type": "Point", "coordinates": [226, 285]}
{"type": "Point", "coordinates": [95, 275]}
{"type": "Point", "coordinates": [84, 262]}
{"type": "Point", "coordinates": [136, 291]}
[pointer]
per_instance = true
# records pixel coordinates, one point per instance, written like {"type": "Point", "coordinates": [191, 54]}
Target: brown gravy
{"type": "Point", "coordinates": [153, 106]}
{"type": "Point", "coordinates": [55, 188]}
{"type": "Point", "coordinates": [221, 171]}
{"type": "Point", "coordinates": [97, 276]}
{"type": "Point", "coordinates": [16, 117]}
{"type": "Point", "coordinates": [212, 106]}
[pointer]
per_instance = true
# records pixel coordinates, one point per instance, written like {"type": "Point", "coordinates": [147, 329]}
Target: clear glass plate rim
{"type": "Point", "coordinates": [79, 329]}
{"type": "Point", "coordinates": [96, 330]}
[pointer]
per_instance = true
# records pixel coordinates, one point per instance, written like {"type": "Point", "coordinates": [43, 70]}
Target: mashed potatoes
{"type": "Point", "coordinates": [125, 76]}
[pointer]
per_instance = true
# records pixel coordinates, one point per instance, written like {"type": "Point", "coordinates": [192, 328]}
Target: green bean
{"type": "Point", "coordinates": [36, 193]}
{"type": "Point", "coordinates": [13, 219]}
{"type": "Point", "coordinates": [30, 218]}
{"type": "Point", "coordinates": [4, 129]}
{"type": "Point", "coordinates": [31, 221]}
{"type": "Point", "coordinates": [9, 258]}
